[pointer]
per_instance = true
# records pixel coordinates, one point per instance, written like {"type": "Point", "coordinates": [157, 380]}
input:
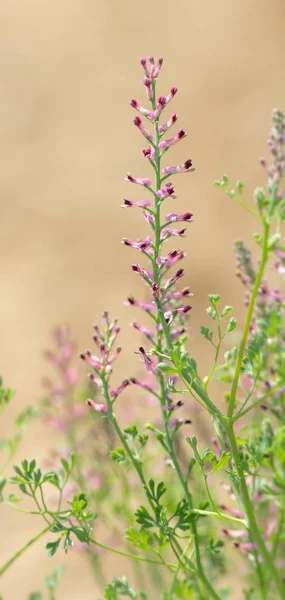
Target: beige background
{"type": "Point", "coordinates": [67, 71]}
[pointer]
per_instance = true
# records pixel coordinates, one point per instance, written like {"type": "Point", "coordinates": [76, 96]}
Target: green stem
{"type": "Point", "coordinates": [248, 318]}
{"type": "Point", "coordinates": [132, 556]}
{"type": "Point", "coordinates": [161, 319]}
{"type": "Point", "coordinates": [211, 513]}
{"type": "Point", "coordinates": [112, 417]}
{"type": "Point", "coordinates": [218, 347]}
{"type": "Point", "coordinates": [175, 577]}
{"type": "Point", "coordinates": [251, 522]}
{"type": "Point", "coordinates": [22, 550]}
{"type": "Point", "coordinates": [243, 412]}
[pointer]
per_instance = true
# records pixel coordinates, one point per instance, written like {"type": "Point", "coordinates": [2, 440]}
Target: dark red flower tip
{"type": "Point", "coordinates": [161, 100]}
{"type": "Point", "coordinates": [173, 253]}
{"type": "Point", "coordinates": [134, 103]}
{"type": "Point", "coordinates": [137, 121]}
{"type": "Point", "coordinates": [180, 272]}
{"type": "Point", "coordinates": [188, 163]}
{"type": "Point", "coordinates": [187, 308]}
{"type": "Point", "coordinates": [181, 134]}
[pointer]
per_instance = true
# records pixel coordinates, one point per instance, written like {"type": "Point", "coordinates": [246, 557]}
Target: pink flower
{"type": "Point", "coordinates": [184, 168]}
{"type": "Point", "coordinates": [143, 305]}
{"type": "Point", "coordinates": [98, 407]}
{"type": "Point", "coordinates": [163, 101]}
{"type": "Point", "coordinates": [171, 259]}
{"type": "Point", "coordinates": [118, 390]}
{"type": "Point", "coordinates": [175, 218]}
{"type": "Point", "coordinates": [145, 386]}
{"type": "Point", "coordinates": [139, 180]}
{"type": "Point", "coordinates": [144, 330]}
{"type": "Point", "coordinates": [144, 245]}
{"type": "Point", "coordinates": [91, 360]}
{"type": "Point", "coordinates": [180, 293]}
{"type": "Point", "coordinates": [139, 124]}
{"type": "Point", "coordinates": [169, 232]}
{"type": "Point", "coordinates": [143, 111]}
{"type": "Point", "coordinates": [232, 511]}
{"type": "Point", "coordinates": [163, 128]}
{"type": "Point", "coordinates": [183, 310]}
{"type": "Point", "coordinates": [152, 71]}
{"type": "Point", "coordinates": [139, 203]}
{"type": "Point", "coordinates": [148, 88]}
{"type": "Point", "coordinates": [174, 422]}
{"type": "Point", "coordinates": [166, 192]}
{"type": "Point", "coordinates": [166, 144]}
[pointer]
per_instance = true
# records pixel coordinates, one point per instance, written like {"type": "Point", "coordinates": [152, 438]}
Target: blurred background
{"type": "Point", "coordinates": [68, 69]}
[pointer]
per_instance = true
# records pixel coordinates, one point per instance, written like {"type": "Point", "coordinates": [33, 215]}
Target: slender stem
{"type": "Point", "coordinates": [112, 417]}
{"type": "Point", "coordinates": [243, 412]}
{"type": "Point", "coordinates": [247, 207]}
{"type": "Point", "coordinates": [43, 512]}
{"type": "Point", "coordinates": [161, 319]}
{"type": "Point", "coordinates": [278, 534]}
{"type": "Point", "coordinates": [218, 347]}
{"type": "Point", "coordinates": [22, 550]}
{"type": "Point", "coordinates": [133, 556]}
{"type": "Point", "coordinates": [175, 577]}
{"type": "Point", "coordinates": [221, 515]}
{"type": "Point", "coordinates": [248, 320]}
{"type": "Point", "coordinates": [251, 522]}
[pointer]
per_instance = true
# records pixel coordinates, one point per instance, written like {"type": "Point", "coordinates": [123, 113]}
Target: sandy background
{"type": "Point", "coordinates": [68, 69]}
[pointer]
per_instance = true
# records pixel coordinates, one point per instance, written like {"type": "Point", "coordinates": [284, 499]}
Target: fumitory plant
{"type": "Point", "coordinates": [196, 505]}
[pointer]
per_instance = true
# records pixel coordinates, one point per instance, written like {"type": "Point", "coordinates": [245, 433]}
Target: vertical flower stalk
{"type": "Point", "coordinates": [170, 310]}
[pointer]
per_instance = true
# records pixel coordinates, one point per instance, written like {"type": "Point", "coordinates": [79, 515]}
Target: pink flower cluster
{"type": "Point", "coordinates": [165, 307]}
{"type": "Point", "coordinates": [60, 392]}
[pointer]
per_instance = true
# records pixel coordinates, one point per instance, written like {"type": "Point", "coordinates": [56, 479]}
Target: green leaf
{"type": "Point", "coordinates": [52, 547]}
{"type": "Point", "coordinates": [211, 312]}
{"type": "Point", "coordinates": [53, 478]}
{"type": "Point", "coordinates": [166, 368]}
{"type": "Point", "coordinates": [132, 431]}
{"type": "Point", "coordinates": [6, 394]}
{"type": "Point", "coordinates": [206, 333]}
{"type": "Point", "coordinates": [226, 310]}
{"type": "Point", "coordinates": [65, 465]}
{"type": "Point", "coordinates": [118, 455]}
{"type": "Point", "coordinates": [26, 416]}
{"type": "Point", "coordinates": [144, 518]}
{"type": "Point", "coordinates": [155, 495]}
{"type": "Point", "coordinates": [143, 438]}
{"type": "Point", "coordinates": [231, 325]}
{"type": "Point", "coordinates": [3, 482]}
{"type": "Point", "coordinates": [214, 299]}
{"type": "Point", "coordinates": [214, 546]}
{"type": "Point", "coordinates": [68, 543]}
{"type": "Point", "coordinates": [35, 596]}
{"type": "Point", "coordinates": [222, 462]}
{"type": "Point", "coordinates": [12, 498]}
{"type": "Point", "coordinates": [121, 586]}
{"type": "Point", "coordinates": [52, 580]}
{"type": "Point", "coordinates": [80, 533]}
{"type": "Point", "coordinates": [239, 186]}
{"type": "Point", "coordinates": [139, 539]}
